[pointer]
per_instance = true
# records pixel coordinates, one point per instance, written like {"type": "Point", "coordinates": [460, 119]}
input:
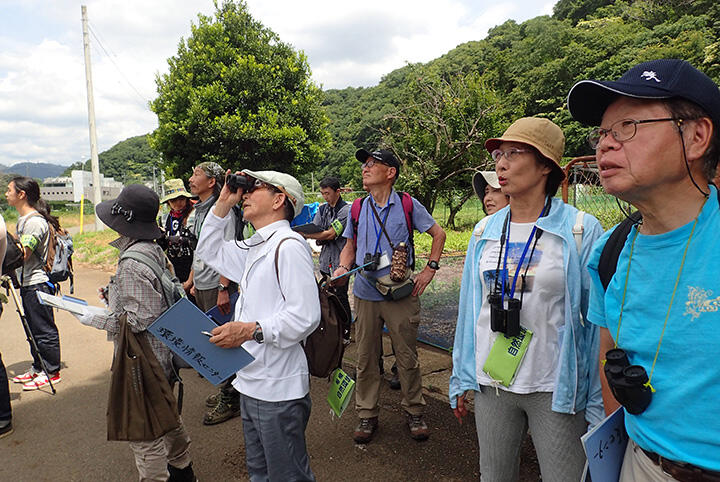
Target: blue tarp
{"type": "Point", "coordinates": [307, 214]}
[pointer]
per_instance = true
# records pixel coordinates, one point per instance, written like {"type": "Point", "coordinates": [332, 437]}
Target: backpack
{"type": "Point", "coordinates": [14, 255]}
{"type": "Point", "coordinates": [58, 259]}
{"type": "Point", "coordinates": [615, 244]}
{"type": "Point", "coordinates": [324, 347]}
{"type": "Point", "coordinates": [407, 206]}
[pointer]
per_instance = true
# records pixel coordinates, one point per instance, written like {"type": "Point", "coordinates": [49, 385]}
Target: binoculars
{"type": "Point", "coordinates": [373, 259]}
{"type": "Point", "coordinates": [627, 382]}
{"type": "Point", "coordinates": [239, 181]}
{"type": "Point", "coordinates": [506, 321]}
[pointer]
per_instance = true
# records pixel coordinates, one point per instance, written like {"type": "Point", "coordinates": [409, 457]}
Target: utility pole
{"type": "Point", "coordinates": [94, 163]}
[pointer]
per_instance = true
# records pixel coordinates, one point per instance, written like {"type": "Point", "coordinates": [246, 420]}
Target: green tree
{"type": "Point", "coordinates": [129, 161]}
{"type": "Point", "coordinates": [439, 134]}
{"type": "Point", "coordinates": [237, 95]}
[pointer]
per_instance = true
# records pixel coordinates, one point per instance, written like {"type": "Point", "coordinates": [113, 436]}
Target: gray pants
{"type": "Point", "coordinates": [503, 419]}
{"type": "Point", "coordinates": [275, 445]}
{"type": "Point", "coordinates": [153, 457]}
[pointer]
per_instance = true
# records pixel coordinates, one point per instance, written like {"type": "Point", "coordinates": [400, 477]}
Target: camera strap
{"type": "Point", "coordinates": [672, 297]}
{"type": "Point", "coordinates": [382, 226]}
{"type": "Point", "coordinates": [505, 237]}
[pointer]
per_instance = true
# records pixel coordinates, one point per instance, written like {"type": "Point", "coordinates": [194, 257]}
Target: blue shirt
{"type": "Point", "coordinates": [681, 422]}
{"type": "Point", "coordinates": [368, 231]}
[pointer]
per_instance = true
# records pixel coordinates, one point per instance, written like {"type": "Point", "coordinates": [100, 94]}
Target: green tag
{"type": "Point", "coordinates": [341, 389]}
{"type": "Point", "coordinates": [506, 355]}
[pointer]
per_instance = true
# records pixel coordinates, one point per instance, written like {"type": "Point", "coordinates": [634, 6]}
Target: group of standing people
{"type": "Point", "coordinates": [543, 318]}
{"type": "Point", "coordinates": [554, 333]}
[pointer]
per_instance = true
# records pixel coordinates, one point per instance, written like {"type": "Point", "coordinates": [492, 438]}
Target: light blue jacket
{"type": "Point", "coordinates": [577, 385]}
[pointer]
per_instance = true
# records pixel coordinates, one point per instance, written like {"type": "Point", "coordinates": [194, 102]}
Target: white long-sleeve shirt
{"type": "Point", "coordinates": [287, 312]}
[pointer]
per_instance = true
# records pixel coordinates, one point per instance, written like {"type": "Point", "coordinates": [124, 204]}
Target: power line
{"type": "Point", "coordinates": [117, 67]}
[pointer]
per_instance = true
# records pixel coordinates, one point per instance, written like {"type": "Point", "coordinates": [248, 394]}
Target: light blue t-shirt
{"type": "Point", "coordinates": [681, 423]}
{"type": "Point", "coordinates": [369, 230]}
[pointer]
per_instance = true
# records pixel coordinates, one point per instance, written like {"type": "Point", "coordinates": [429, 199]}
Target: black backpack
{"type": "Point", "coordinates": [614, 245]}
{"type": "Point", "coordinates": [14, 257]}
{"type": "Point", "coordinates": [324, 347]}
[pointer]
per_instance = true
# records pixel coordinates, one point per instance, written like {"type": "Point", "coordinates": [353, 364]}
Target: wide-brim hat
{"type": "Point", "coordinates": [286, 183]}
{"type": "Point", "coordinates": [174, 188]}
{"type": "Point", "coordinates": [481, 179]}
{"type": "Point", "coordinates": [653, 80]}
{"type": "Point", "coordinates": [133, 213]}
{"type": "Point", "coordinates": [542, 134]}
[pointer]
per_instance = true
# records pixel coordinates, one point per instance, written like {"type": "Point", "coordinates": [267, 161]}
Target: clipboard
{"type": "Point", "coordinates": [180, 329]}
{"type": "Point", "coordinates": [70, 303]}
{"type": "Point", "coordinates": [308, 228]}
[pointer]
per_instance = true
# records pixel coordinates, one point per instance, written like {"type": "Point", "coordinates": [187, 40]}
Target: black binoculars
{"type": "Point", "coordinates": [239, 181]}
{"type": "Point", "coordinates": [627, 382]}
{"type": "Point", "coordinates": [373, 259]}
{"type": "Point", "coordinates": [506, 321]}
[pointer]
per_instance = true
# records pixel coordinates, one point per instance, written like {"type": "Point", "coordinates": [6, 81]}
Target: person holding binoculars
{"type": "Point", "coordinates": [521, 345]}
{"type": "Point", "coordinates": [657, 147]}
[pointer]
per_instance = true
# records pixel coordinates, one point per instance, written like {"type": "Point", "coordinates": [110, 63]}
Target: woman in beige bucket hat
{"type": "Point", "coordinates": [178, 240]}
{"type": "Point", "coordinates": [521, 345]}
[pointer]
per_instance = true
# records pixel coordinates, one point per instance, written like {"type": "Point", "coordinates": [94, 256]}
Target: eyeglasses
{"type": "Point", "coordinates": [258, 184]}
{"type": "Point", "coordinates": [622, 130]}
{"type": "Point", "coordinates": [512, 152]}
{"type": "Point", "coordinates": [371, 162]}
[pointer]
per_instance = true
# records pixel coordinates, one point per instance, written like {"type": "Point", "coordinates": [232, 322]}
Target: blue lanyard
{"type": "Point", "coordinates": [522, 257]}
{"type": "Point", "coordinates": [378, 232]}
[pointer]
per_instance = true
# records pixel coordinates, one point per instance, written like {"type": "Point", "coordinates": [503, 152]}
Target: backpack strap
{"type": "Point", "coordinates": [578, 230]}
{"type": "Point", "coordinates": [277, 256]}
{"type": "Point", "coordinates": [614, 245]}
{"type": "Point", "coordinates": [355, 209]}
{"type": "Point", "coordinates": [153, 265]}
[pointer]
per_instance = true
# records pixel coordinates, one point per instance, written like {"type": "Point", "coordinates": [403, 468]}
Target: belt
{"type": "Point", "coordinates": [681, 471]}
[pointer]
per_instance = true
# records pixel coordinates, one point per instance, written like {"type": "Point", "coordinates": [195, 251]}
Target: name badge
{"type": "Point", "coordinates": [384, 261]}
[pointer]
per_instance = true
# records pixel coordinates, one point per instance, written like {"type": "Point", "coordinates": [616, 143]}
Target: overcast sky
{"type": "Point", "coordinates": [43, 102]}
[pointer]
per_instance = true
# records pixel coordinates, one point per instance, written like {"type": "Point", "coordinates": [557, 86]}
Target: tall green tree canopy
{"type": "Point", "coordinates": [237, 95]}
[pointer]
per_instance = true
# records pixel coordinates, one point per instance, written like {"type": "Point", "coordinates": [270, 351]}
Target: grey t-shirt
{"type": "Point", "coordinates": [32, 230]}
{"type": "Point", "coordinates": [204, 277]}
{"type": "Point", "coordinates": [330, 254]}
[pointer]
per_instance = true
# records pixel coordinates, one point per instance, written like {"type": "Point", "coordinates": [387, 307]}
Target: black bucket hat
{"type": "Point", "coordinates": [656, 79]}
{"type": "Point", "coordinates": [133, 213]}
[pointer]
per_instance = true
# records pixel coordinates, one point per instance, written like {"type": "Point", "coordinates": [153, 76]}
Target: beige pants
{"type": "Point", "coordinates": [152, 458]}
{"type": "Point", "coordinates": [638, 467]}
{"type": "Point", "coordinates": [402, 318]}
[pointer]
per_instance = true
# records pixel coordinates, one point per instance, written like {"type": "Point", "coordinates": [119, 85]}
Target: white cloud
{"type": "Point", "coordinates": [43, 106]}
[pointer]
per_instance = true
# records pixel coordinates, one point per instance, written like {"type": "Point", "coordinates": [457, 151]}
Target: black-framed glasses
{"type": "Point", "coordinates": [622, 130]}
{"type": "Point", "coordinates": [509, 153]}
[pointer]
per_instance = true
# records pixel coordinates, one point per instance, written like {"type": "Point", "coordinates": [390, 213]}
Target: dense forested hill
{"type": "Point", "coordinates": [128, 161]}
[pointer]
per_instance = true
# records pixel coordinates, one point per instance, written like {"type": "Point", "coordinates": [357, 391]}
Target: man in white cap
{"type": "Point", "coordinates": [277, 309]}
{"type": "Point", "coordinates": [657, 147]}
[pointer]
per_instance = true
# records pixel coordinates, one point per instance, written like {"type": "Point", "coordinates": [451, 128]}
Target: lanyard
{"type": "Point", "coordinates": [378, 232]}
{"type": "Point", "coordinates": [506, 238]}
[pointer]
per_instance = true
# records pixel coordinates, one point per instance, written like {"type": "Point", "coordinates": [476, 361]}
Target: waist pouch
{"type": "Point", "coordinates": [395, 290]}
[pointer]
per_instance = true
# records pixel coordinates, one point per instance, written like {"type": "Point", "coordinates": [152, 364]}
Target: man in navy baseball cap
{"type": "Point", "coordinates": [657, 147]}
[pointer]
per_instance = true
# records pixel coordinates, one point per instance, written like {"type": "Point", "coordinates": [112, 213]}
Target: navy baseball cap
{"type": "Point", "coordinates": [382, 155]}
{"type": "Point", "coordinates": [653, 80]}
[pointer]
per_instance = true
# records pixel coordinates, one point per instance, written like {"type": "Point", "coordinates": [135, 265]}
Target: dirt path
{"type": "Point", "coordinates": [62, 437]}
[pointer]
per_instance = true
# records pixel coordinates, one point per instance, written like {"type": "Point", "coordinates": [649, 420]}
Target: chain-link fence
{"type": "Point", "coordinates": [582, 189]}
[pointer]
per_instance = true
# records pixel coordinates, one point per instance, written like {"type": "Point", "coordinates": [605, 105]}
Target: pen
{"type": "Point", "coordinates": [207, 333]}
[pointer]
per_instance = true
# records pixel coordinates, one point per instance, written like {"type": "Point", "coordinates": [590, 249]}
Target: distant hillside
{"type": "Point", "coordinates": [39, 170]}
{"type": "Point", "coordinates": [127, 161]}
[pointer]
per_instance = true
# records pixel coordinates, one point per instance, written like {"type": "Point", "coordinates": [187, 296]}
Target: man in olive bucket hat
{"type": "Point", "coordinates": [136, 292]}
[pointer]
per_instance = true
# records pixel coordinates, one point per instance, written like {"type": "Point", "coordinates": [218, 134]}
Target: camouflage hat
{"type": "Point", "coordinates": [174, 188]}
{"type": "Point", "coordinates": [213, 169]}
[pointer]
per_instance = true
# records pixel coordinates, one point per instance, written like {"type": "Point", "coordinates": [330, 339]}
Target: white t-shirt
{"type": "Point", "coordinates": [542, 306]}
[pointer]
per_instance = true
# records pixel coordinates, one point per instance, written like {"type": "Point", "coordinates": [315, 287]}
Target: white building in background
{"type": "Point", "coordinates": [79, 183]}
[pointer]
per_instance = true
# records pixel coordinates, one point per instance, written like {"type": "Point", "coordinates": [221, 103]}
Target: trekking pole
{"type": "Point", "coordinates": [6, 282]}
{"type": "Point", "coordinates": [354, 270]}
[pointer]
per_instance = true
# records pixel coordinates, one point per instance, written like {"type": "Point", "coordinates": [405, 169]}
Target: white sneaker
{"type": "Point", "coordinates": [26, 377]}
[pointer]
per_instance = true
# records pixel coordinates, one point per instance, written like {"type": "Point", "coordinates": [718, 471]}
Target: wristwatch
{"type": "Point", "coordinates": [222, 287]}
{"type": "Point", "coordinates": [258, 334]}
{"type": "Point", "coordinates": [433, 265]}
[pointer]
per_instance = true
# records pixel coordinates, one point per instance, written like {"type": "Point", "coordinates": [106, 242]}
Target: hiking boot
{"type": "Point", "coordinates": [6, 428]}
{"type": "Point", "coordinates": [365, 430]}
{"type": "Point", "coordinates": [221, 412]}
{"type": "Point", "coordinates": [418, 428]}
{"type": "Point", "coordinates": [41, 381]}
{"type": "Point", "coordinates": [26, 377]}
{"type": "Point", "coordinates": [181, 475]}
{"type": "Point", "coordinates": [212, 400]}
